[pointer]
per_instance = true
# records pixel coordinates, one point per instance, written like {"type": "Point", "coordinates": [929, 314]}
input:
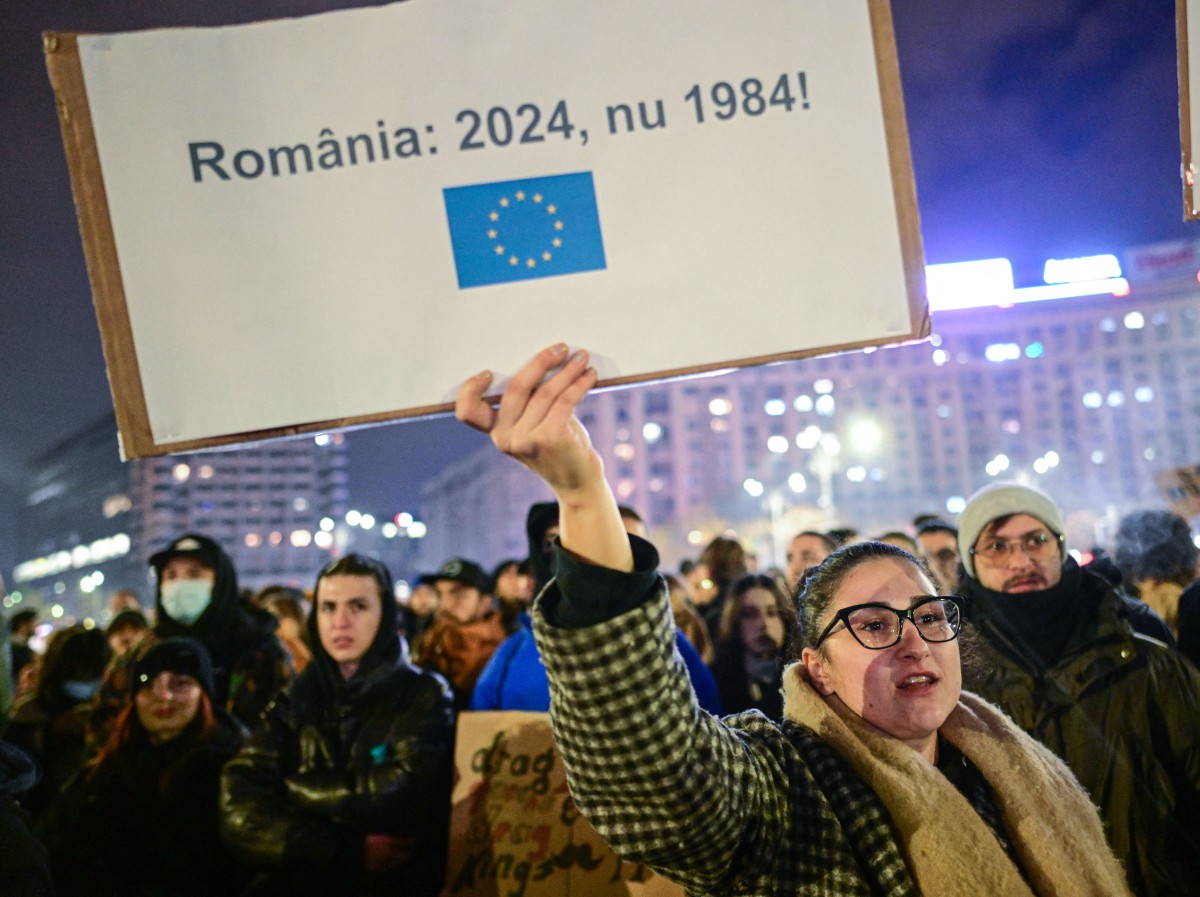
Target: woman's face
{"type": "Point", "coordinates": [167, 704]}
{"type": "Point", "coordinates": [906, 690]}
{"type": "Point", "coordinates": [759, 623]}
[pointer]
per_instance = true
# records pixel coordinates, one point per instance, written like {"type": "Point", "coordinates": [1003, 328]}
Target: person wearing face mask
{"type": "Point", "coordinates": [50, 722]}
{"type": "Point", "coordinates": [197, 597]}
{"type": "Point", "coordinates": [346, 788]}
{"type": "Point", "coordinates": [141, 819]}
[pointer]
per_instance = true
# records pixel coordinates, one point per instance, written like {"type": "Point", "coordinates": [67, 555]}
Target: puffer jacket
{"type": "Point", "coordinates": [1123, 711]}
{"type": "Point", "coordinates": [337, 760]}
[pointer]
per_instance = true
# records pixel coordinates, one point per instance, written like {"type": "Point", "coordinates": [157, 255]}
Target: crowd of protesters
{"type": "Point", "coordinates": [292, 743]}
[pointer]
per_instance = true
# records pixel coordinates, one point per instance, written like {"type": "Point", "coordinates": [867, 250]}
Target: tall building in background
{"type": "Point", "coordinates": [1090, 398]}
{"type": "Point", "coordinates": [90, 521]}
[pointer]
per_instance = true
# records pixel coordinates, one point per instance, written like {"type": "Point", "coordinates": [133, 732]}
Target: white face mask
{"type": "Point", "coordinates": [184, 600]}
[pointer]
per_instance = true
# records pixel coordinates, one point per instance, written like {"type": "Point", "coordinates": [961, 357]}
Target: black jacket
{"type": "Point", "coordinates": [144, 822]}
{"type": "Point", "coordinates": [24, 865]}
{"type": "Point", "coordinates": [337, 760]}
{"type": "Point", "coordinates": [1121, 709]}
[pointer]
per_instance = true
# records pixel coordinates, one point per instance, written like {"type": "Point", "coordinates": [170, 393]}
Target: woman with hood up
{"type": "Point", "coordinates": [346, 788]}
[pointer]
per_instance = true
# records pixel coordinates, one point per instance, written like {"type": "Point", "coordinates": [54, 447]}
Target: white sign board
{"type": "Point", "coordinates": [338, 218]}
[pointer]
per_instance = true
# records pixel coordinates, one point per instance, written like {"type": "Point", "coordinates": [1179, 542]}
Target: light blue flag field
{"type": "Point", "coordinates": [520, 230]}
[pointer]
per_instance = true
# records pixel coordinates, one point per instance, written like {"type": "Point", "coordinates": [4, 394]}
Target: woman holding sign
{"type": "Point", "coordinates": [883, 777]}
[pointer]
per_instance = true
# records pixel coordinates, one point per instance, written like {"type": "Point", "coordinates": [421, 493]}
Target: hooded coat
{"type": "Point", "coordinates": [337, 760]}
{"type": "Point", "coordinates": [249, 664]}
{"type": "Point", "coordinates": [1122, 710]}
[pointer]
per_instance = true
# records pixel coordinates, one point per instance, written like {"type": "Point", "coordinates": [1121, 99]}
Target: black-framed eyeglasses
{"type": "Point", "coordinates": [1038, 545]}
{"type": "Point", "coordinates": [938, 618]}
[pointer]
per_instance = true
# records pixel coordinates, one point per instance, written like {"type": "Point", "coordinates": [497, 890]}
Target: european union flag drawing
{"type": "Point", "coordinates": [520, 230]}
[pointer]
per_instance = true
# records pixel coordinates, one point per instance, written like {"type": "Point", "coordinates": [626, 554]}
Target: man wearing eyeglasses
{"type": "Point", "coordinates": [1061, 656]}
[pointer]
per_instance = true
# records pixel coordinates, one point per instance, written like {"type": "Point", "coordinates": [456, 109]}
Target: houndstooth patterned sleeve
{"type": "Point", "coordinates": [664, 782]}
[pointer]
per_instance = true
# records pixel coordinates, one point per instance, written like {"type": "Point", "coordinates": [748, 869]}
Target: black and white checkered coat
{"type": "Point", "coordinates": [743, 806]}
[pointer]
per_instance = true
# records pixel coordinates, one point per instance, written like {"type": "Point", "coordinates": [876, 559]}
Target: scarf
{"type": "Point", "coordinates": [1053, 826]}
{"type": "Point", "coordinates": [1038, 624]}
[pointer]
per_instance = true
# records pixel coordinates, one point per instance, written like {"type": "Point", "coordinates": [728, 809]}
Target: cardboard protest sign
{"type": "Point", "coordinates": [514, 830]}
{"type": "Point", "coordinates": [1187, 38]}
{"type": "Point", "coordinates": [335, 219]}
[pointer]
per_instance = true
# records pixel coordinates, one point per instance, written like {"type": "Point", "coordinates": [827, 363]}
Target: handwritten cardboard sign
{"type": "Point", "coordinates": [335, 219]}
{"type": "Point", "coordinates": [514, 830]}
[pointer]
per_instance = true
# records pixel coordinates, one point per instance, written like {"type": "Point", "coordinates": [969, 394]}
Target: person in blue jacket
{"type": "Point", "coordinates": [514, 678]}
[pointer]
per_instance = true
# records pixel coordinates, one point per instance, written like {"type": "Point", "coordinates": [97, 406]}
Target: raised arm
{"type": "Point", "coordinates": [535, 423]}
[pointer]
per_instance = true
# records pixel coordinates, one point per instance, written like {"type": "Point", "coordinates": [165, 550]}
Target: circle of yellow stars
{"type": "Point", "coordinates": [493, 234]}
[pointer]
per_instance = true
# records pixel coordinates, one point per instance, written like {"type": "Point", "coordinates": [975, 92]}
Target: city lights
{"type": "Point", "coordinates": [753, 487]}
{"type": "Point", "coordinates": [797, 483]}
{"type": "Point", "coordinates": [719, 407]}
{"type": "Point", "coordinates": [652, 432]}
{"type": "Point", "coordinates": [777, 444]}
{"type": "Point", "coordinates": [998, 352]}
{"type": "Point", "coordinates": [404, 520]}
{"type": "Point", "coordinates": [803, 403]}
{"type": "Point", "coordinates": [1092, 267]}
{"type": "Point", "coordinates": [865, 436]}
{"type": "Point", "coordinates": [775, 407]}
{"type": "Point", "coordinates": [808, 438]}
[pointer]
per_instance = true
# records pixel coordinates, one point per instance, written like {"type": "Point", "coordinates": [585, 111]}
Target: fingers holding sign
{"type": "Point", "coordinates": [535, 423]}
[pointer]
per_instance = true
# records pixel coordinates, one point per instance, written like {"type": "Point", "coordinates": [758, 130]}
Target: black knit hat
{"type": "Point", "coordinates": [175, 655]}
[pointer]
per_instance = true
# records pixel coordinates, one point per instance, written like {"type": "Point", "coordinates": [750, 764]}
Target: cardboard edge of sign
{"type": "Point", "coordinates": [1187, 175]}
{"type": "Point", "coordinates": [137, 440]}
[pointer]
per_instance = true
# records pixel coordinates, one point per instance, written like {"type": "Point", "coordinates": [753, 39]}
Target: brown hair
{"type": "Point", "coordinates": [128, 729]}
{"type": "Point", "coordinates": [820, 582]}
{"type": "Point", "coordinates": [733, 606]}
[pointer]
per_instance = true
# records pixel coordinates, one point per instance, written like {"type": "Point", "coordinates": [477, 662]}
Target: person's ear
{"type": "Point", "coordinates": [818, 675]}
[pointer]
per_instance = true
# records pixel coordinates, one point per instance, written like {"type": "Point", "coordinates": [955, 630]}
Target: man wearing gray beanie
{"type": "Point", "coordinates": [1057, 649]}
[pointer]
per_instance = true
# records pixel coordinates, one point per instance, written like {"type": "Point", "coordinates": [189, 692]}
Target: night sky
{"type": "Point", "coordinates": [1039, 129]}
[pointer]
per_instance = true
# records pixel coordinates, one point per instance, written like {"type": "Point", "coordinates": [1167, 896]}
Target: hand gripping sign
{"type": "Point", "coordinates": [314, 222]}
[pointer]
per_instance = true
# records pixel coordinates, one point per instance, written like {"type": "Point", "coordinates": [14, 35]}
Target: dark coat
{"type": "Point", "coordinates": [250, 667]}
{"type": "Point", "coordinates": [337, 760]}
{"type": "Point", "coordinates": [1123, 711]}
{"type": "Point", "coordinates": [143, 823]}
{"type": "Point", "coordinates": [24, 865]}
